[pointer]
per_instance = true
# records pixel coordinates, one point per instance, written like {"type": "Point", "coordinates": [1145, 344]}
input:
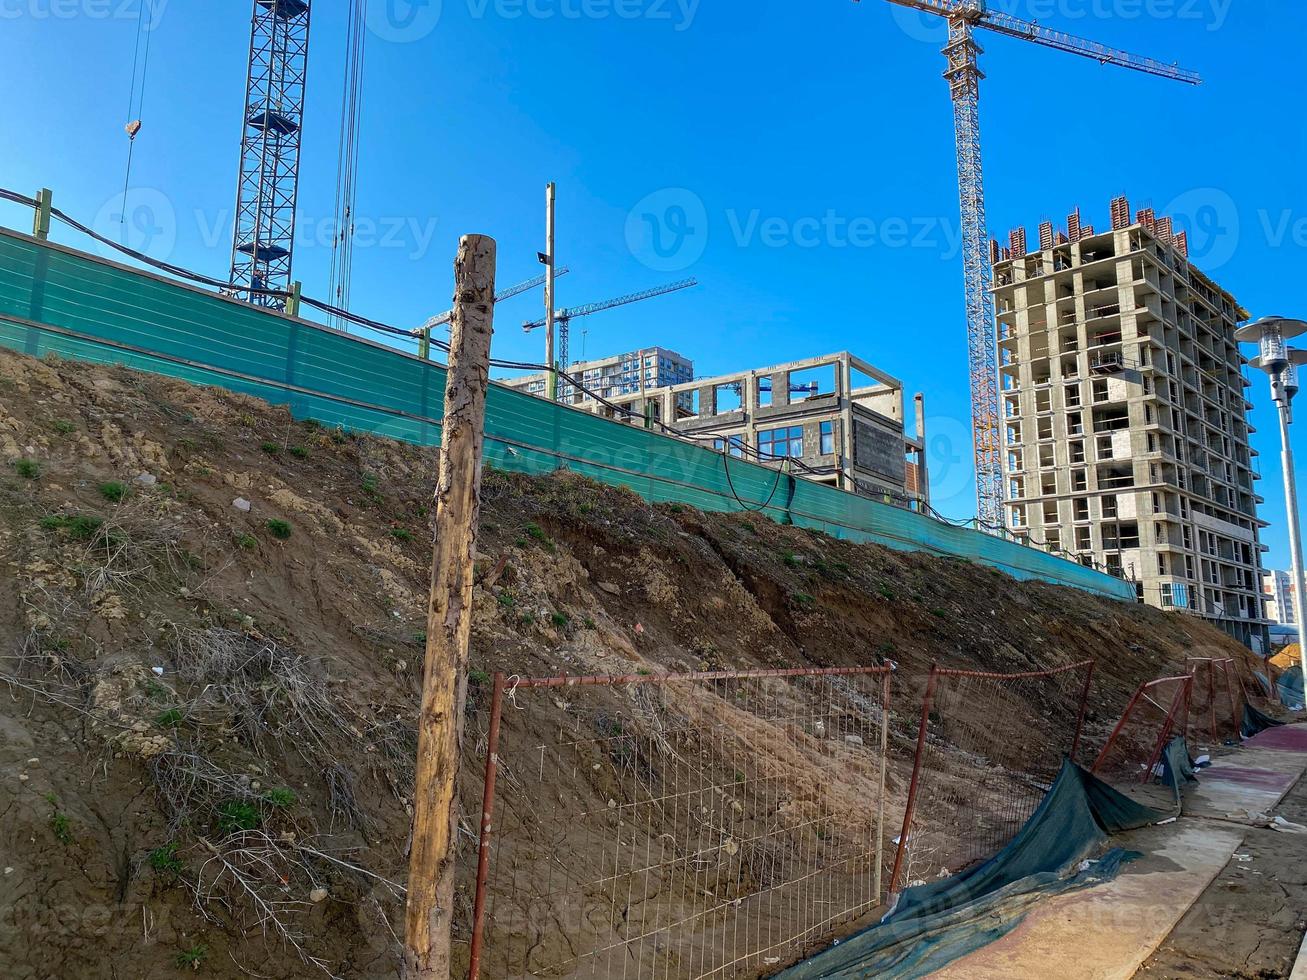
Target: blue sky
{"type": "Point", "coordinates": [809, 147]}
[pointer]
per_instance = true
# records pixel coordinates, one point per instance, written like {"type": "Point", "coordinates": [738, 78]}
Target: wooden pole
{"type": "Point", "coordinates": [430, 906]}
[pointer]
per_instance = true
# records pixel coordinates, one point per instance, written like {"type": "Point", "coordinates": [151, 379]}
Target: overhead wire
{"type": "Point", "coordinates": [136, 95]}
{"type": "Point", "coordinates": [347, 162]}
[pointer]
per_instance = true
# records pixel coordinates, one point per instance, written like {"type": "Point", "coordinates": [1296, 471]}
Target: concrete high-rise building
{"type": "Point", "coordinates": [1124, 407]}
{"type": "Point", "coordinates": [612, 377]}
{"type": "Point", "coordinates": [1278, 588]}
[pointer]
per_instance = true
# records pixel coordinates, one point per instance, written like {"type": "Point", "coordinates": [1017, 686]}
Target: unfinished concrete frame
{"type": "Point", "coordinates": [866, 446]}
{"type": "Point", "coordinates": [1125, 415]}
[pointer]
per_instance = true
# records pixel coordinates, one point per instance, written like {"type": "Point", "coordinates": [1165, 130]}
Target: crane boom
{"type": "Point", "coordinates": [575, 311]}
{"type": "Point", "coordinates": [994, 20]}
{"type": "Point", "coordinates": [963, 18]}
{"type": "Point", "coordinates": [564, 317]}
{"type": "Point", "coordinates": [1030, 31]}
{"type": "Point", "coordinates": [509, 293]}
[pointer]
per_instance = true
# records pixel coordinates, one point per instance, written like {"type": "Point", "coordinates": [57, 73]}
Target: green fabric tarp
{"type": "Point", "coordinates": [1255, 722]}
{"type": "Point", "coordinates": [936, 923]}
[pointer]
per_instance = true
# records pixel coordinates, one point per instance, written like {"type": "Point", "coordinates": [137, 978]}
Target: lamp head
{"type": "Point", "coordinates": [1270, 334]}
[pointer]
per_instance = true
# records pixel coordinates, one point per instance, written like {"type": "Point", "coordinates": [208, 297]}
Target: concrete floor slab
{"type": "Point", "coordinates": [1250, 780]}
{"type": "Point", "coordinates": [1108, 932]}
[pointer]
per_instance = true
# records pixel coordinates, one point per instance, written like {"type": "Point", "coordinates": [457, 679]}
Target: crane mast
{"type": "Point", "coordinates": [964, 77]}
{"type": "Point", "coordinates": [964, 18]}
{"type": "Point", "coordinates": [266, 190]}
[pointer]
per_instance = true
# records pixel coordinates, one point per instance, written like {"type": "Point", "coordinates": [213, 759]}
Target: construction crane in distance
{"type": "Point", "coordinates": [964, 17]}
{"type": "Point", "coordinates": [267, 186]}
{"type": "Point", "coordinates": [563, 318]}
{"type": "Point", "coordinates": [423, 333]}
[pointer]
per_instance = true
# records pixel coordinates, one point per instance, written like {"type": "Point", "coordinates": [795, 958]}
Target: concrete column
{"type": "Point", "coordinates": [780, 388]}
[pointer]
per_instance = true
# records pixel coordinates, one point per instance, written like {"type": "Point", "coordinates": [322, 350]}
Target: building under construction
{"type": "Point", "coordinates": [839, 416]}
{"type": "Point", "coordinates": [1125, 414]}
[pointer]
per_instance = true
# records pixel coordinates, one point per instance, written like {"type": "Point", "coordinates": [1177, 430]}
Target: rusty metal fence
{"type": "Point", "coordinates": [989, 746]}
{"type": "Point", "coordinates": [713, 824]}
{"type": "Point", "coordinates": [1216, 710]}
{"type": "Point", "coordinates": [1158, 711]}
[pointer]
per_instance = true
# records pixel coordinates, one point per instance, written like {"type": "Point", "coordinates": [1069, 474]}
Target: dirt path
{"type": "Point", "coordinates": [1250, 921]}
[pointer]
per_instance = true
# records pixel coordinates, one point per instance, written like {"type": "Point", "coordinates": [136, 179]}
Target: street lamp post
{"type": "Point", "coordinates": [1281, 362]}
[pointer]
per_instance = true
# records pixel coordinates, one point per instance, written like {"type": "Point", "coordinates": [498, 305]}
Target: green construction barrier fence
{"type": "Point", "coordinates": [57, 300]}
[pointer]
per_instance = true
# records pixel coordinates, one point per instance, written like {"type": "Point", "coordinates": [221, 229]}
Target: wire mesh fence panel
{"type": "Point", "coordinates": [1157, 711]}
{"type": "Point", "coordinates": [1215, 713]}
{"type": "Point", "coordinates": [989, 748]}
{"type": "Point", "coordinates": [683, 826]}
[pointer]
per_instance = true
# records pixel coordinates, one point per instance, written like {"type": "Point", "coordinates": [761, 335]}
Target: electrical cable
{"type": "Point", "coordinates": [135, 105]}
{"type": "Point", "coordinates": [347, 162]}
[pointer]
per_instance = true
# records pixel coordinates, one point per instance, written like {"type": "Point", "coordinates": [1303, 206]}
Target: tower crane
{"type": "Point", "coordinates": [270, 150]}
{"type": "Point", "coordinates": [423, 333]}
{"type": "Point", "coordinates": [964, 18]}
{"type": "Point", "coordinates": [563, 318]}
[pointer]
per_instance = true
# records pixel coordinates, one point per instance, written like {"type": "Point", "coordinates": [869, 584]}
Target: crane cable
{"type": "Point", "coordinates": [347, 162]}
{"type": "Point", "coordinates": [136, 94]}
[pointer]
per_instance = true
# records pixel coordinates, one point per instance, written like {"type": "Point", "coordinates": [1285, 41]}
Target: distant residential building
{"type": "Point", "coordinates": [1278, 589]}
{"type": "Point", "coordinates": [1125, 414]}
{"type": "Point", "coordinates": [842, 417]}
{"type": "Point", "coordinates": [612, 377]}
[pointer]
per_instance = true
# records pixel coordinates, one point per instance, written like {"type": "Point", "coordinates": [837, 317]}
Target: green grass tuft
{"type": "Point", "coordinates": [192, 957]}
{"type": "Point", "coordinates": [280, 798]}
{"type": "Point", "coordinates": [164, 860]}
{"type": "Point", "coordinates": [114, 492]}
{"type": "Point", "coordinates": [28, 469]}
{"type": "Point", "coordinates": [281, 530]}
{"type": "Point", "coordinates": [237, 815]}
{"type": "Point", "coordinates": [271, 448]}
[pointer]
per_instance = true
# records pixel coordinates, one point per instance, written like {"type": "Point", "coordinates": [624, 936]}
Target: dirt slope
{"type": "Point", "coordinates": [212, 626]}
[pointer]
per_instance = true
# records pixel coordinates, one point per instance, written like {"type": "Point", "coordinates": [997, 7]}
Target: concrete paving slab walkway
{"type": "Point", "coordinates": [1108, 932]}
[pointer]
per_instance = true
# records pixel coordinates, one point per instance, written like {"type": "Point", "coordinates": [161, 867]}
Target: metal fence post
{"type": "Point", "coordinates": [884, 764]}
{"type": "Point", "coordinates": [1120, 726]}
{"type": "Point", "coordinates": [911, 806]}
{"type": "Point", "coordinates": [1084, 704]}
{"type": "Point", "coordinates": [487, 826]}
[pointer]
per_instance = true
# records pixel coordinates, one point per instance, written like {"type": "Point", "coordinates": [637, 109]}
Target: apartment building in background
{"type": "Point", "coordinates": [1124, 411]}
{"type": "Point", "coordinates": [1277, 586]}
{"type": "Point", "coordinates": [612, 377]}
{"type": "Point", "coordinates": [843, 418]}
